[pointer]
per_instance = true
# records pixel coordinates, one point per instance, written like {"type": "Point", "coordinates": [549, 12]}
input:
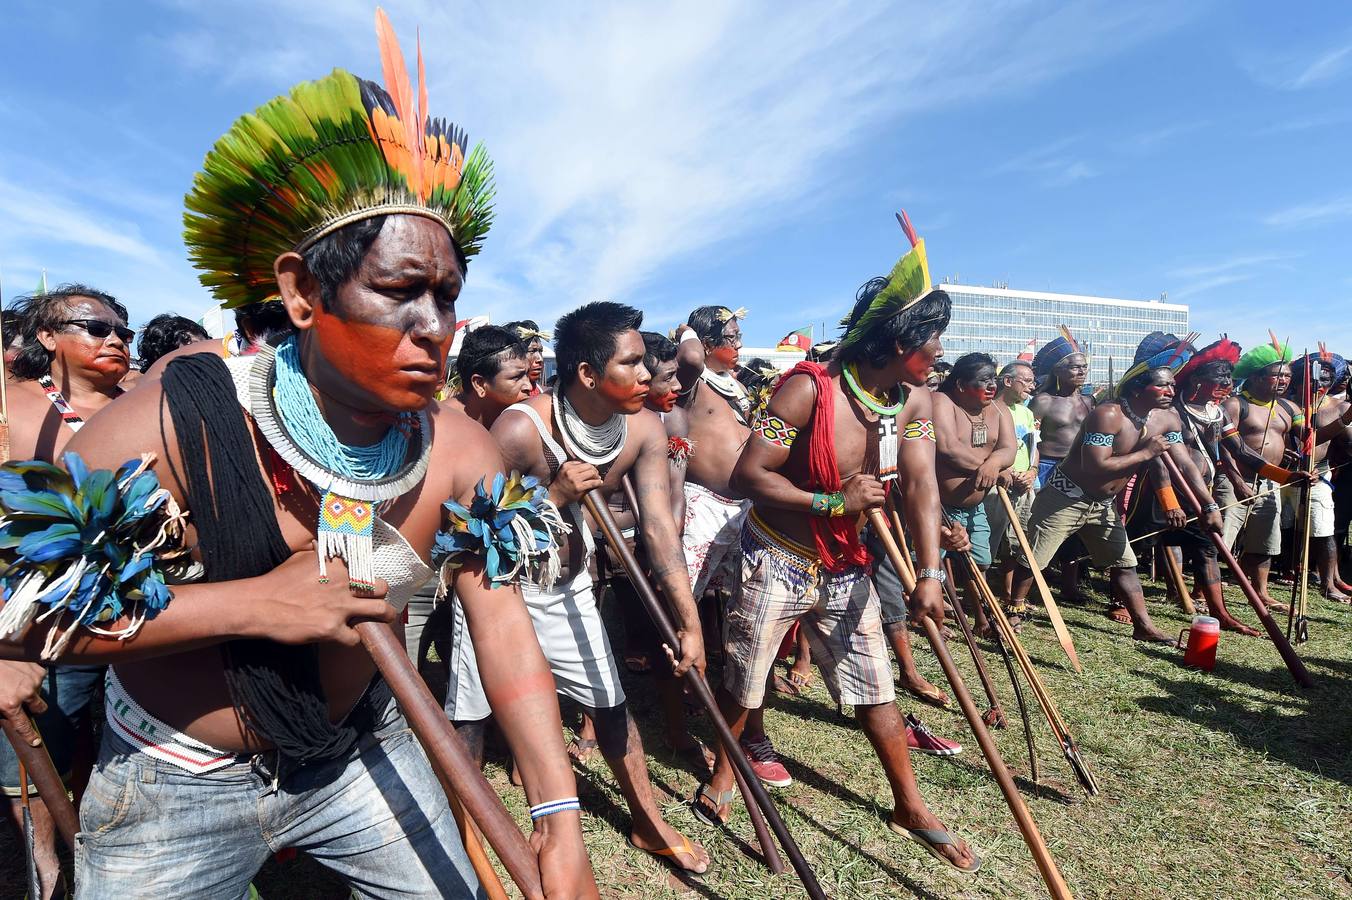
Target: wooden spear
{"type": "Point", "coordinates": [1051, 875]}
{"type": "Point", "coordinates": [596, 505]}
{"type": "Point", "coordinates": [1175, 574]}
{"type": "Point", "coordinates": [46, 779]}
{"type": "Point", "coordinates": [1293, 662]}
{"type": "Point", "coordinates": [1053, 611]}
{"type": "Point", "coordinates": [456, 769]}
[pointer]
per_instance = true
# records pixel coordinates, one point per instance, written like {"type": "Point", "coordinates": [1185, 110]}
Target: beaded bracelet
{"type": "Point", "coordinates": [567, 804]}
{"type": "Point", "coordinates": [828, 504]}
{"type": "Point", "coordinates": [938, 575]}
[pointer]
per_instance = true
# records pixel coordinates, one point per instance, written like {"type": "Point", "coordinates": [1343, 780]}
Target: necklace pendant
{"type": "Point", "coordinates": [979, 434]}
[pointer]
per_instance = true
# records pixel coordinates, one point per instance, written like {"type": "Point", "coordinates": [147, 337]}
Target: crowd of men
{"type": "Point", "coordinates": [245, 719]}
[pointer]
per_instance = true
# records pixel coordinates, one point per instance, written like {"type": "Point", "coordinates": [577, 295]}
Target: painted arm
{"type": "Point", "coordinates": [920, 502]}
{"type": "Point", "coordinates": [677, 426]}
{"type": "Point", "coordinates": [1104, 424]}
{"type": "Point", "coordinates": [662, 541]}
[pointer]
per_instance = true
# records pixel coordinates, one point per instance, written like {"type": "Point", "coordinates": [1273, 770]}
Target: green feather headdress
{"type": "Point", "coordinates": [907, 284]}
{"type": "Point", "coordinates": [331, 152]}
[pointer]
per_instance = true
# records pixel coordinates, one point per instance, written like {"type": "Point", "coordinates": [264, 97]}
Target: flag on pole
{"type": "Point", "coordinates": [1026, 355]}
{"type": "Point", "coordinates": [796, 340]}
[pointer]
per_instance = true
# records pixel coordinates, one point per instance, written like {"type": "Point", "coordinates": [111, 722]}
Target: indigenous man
{"type": "Point", "coordinates": [1116, 439]}
{"type": "Point", "coordinates": [976, 447]}
{"type": "Point", "coordinates": [1266, 423]}
{"type": "Point", "coordinates": [586, 436]}
{"type": "Point", "coordinates": [494, 373]}
{"type": "Point", "coordinates": [1016, 386]}
{"type": "Point", "coordinates": [1204, 383]}
{"type": "Point", "coordinates": [223, 743]}
{"type": "Point", "coordinates": [1323, 371]}
{"type": "Point", "coordinates": [811, 471]}
{"type": "Point", "coordinates": [529, 332]}
{"type": "Point", "coordinates": [1060, 405]}
{"type": "Point", "coordinates": [164, 334]}
{"type": "Point", "coordinates": [717, 409]}
{"type": "Point", "coordinates": [76, 349]}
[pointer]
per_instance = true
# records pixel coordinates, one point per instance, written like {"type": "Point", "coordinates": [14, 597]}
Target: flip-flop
{"type": "Point", "coordinates": [932, 839]}
{"type": "Point", "coordinates": [667, 856]}
{"type": "Point", "coordinates": [703, 801]}
{"type": "Point", "coordinates": [1119, 615]}
{"type": "Point", "coordinates": [934, 697]}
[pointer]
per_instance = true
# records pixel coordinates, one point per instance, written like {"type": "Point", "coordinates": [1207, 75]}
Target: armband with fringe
{"type": "Point", "coordinates": [86, 547]}
{"type": "Point", "coordinates": [1167, 498]}
{"type": "Point", "coordinates": [679, 449]}
{"type": "Point", "coordinates": [1275, 473]}
{"type": "Point", "coordinates": [775, 430]}
{"type": "Point", "coordinates": [514, 528]}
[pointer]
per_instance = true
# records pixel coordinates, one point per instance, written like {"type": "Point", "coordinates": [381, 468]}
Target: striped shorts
{"type": "Point", "coordinates": [783, 582]}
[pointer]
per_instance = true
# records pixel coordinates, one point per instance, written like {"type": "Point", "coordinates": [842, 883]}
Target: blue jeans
{"type": "Point", "coordinates": [378, 818]}
{"type": "Point", "coordinates": [68, 691]}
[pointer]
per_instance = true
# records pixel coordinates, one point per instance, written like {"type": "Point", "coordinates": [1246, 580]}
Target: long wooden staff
{"type": "Point", "coordinates": [1053, 611]}
{"type": "Point", "coordinates": [1175, 574]}
{"type": "Point", "coordinates": [596, 505]}
{"type": "Point", "coordinates": [46, 779]}
{"type": "Point", "coordinates": [455, 767]}
{"type": "Point", "coordinates": [1297, 629]}
{"type": "Point", "coordinates": [1293, 662]}
{"type": "Point", "coordinates": [1064, 739]}
{"type": "Point", "coordinates": [994, 717]}
{"type": "Point", "coordinates": [767, 844]}
{"type": "Point", "coordinates": [1051, 875]}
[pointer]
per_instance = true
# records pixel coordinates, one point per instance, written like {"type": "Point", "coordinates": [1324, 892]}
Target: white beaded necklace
{"type": "Point", "coordinates": [595, 444]}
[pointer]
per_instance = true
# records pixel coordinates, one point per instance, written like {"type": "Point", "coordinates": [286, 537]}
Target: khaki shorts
{"type": "Point", "coordinates": [1057, 516]}
{"type": "Point", "coordinates": [1260, 521]}
{"type": "Point", "coordinates": [783, 582]}
{"type": "Point", "coordinates": [1321, 508]}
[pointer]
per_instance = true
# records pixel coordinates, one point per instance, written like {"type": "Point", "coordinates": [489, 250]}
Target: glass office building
{"type": "Point", "coordinates": [1001, 322]}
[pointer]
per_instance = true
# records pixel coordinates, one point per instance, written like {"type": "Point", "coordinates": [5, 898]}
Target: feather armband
{"type": "Point", "coordinates": [514, 528]}
{"type": "Point", "coordinates": [679, 449]}
{"type": "Point", "coordinates": [87, 544]}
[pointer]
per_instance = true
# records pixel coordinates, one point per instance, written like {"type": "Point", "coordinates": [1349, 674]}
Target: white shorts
{"type": "Point", "coordinates": [1321, 508]}
{"type": "Point", "coordinates": [568, 626]}
{"type": "Point", "coordinates": [711, 539]}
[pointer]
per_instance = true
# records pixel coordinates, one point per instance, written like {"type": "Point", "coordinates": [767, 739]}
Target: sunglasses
{"type": "Point", "coordinates": [101, 329]}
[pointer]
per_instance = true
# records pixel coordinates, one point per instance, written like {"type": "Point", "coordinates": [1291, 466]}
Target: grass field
{"type": "Point", "coordinates": [1228, 784]}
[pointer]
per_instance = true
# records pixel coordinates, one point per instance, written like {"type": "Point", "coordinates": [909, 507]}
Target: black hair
{"type": "Point", "coordinates": [708, 323]}
{"type": "Point", "coordinates": [12, 324]}
{"type": "Point", "coordinates": [484, 350]}
{"type": "Point", "coordinates": [164, 334]}
{"type": "Point", "coordinates": [46, 312]}
{"type": "Point", "coordinates": [657, 349]}
{"type": "Point", "coordinates": [1138, 383]}
{"type": "Point", "coordinates": [261, 322]}
{"type": "Point", "coordinates": [522, 326]}
{"type": "Point", "coordinates": [965, 369]}
{"type": "Point", "coordinates": [752, 373]}
{"type": "Point", "coordinates": [336, 257]}
{"type": "Point", "coordinates": [588, 334]}
{"type": "Point", "coordinates": [909, 329]}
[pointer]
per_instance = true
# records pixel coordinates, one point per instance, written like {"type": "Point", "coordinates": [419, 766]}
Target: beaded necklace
{"type": "Point", "coordinates": [595, 444]}
{"type": "Point", "coordinates": [871, 401]}
{"type": "Point", "coordinates": [351, 478]}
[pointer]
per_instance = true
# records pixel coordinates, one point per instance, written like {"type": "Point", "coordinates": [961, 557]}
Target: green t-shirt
{"type": "Point", "coordinates": [1023, 435]}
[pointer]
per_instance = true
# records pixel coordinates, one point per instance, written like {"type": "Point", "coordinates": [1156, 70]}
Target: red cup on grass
{"type": "Point", "coordinates": [1203, 636]}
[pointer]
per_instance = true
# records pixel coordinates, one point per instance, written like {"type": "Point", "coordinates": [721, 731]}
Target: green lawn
{"type": "Point", "coordinates": [1228, 784]}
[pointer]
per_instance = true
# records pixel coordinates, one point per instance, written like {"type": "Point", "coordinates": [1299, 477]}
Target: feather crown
{"type": "Point", "coordinates": [1159, 351]}
{"type": "Point", "coordinates": [907, 284]}
{"type": "Point", "coordinates": [1224, 350]}
{"type": "Point", "coordinates": [329, 153]}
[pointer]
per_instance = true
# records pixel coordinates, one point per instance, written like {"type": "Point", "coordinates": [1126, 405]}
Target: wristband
{"type": "Point", "coordinates": [566, 804]}
{"type": "Point", "coordinates": [828, 504]}
{"type": "Point", "coordinates": [689, 335]}
{"type": "Point", "coordinates": [938, 575]}
{"type": "Point", "coordinates": [1211, 507]}
{"type": "Point", "coordinates": [1165, 495]}
{"type": "Point", "coordinates": [1274, 473]}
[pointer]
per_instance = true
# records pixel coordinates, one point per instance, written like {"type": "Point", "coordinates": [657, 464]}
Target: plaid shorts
{"type": "Point", "coordinates": [783, 582]}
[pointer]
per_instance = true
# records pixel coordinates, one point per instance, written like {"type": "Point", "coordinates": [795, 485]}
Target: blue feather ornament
{"type": "Point", "coordinates": [86, 544]}
{"type": "Point", "coordinates": [512, 526]}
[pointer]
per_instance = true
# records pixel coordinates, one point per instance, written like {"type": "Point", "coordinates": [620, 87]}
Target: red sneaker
{"type": "Point", "coordinates": [765, 763]}
{"type": "Point", "coordinates": [921, 740]}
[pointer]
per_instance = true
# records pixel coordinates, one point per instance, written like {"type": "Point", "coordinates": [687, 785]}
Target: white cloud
{"type": "Point", "coordinates": [1318, 213]}
{"type": "Point", "coordinates": [1203, 278]}
{"type": "Point", "coordinates": [29, 216]}
{"type": "Point", "coordinates": [1296, 71]}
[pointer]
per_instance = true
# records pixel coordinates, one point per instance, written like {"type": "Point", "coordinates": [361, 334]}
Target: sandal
{"type": "Point", "coordinates": [934, 697]}
{"type": "Point", "coordinates": [934, 838]}
{"type": "Point", "coordinates": [704, 800]}
{"type": "Point", "coordinates": [1120, 615]}
{"type": "Point", "coordinates": [667, 856]}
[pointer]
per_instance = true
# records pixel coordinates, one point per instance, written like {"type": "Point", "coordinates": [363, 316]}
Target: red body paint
{"type": "Point", "coordinates": [382, 360]}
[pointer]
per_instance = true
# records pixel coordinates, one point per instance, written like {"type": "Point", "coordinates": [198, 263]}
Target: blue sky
{"type": "Point", "coordinates": [679, 154]}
